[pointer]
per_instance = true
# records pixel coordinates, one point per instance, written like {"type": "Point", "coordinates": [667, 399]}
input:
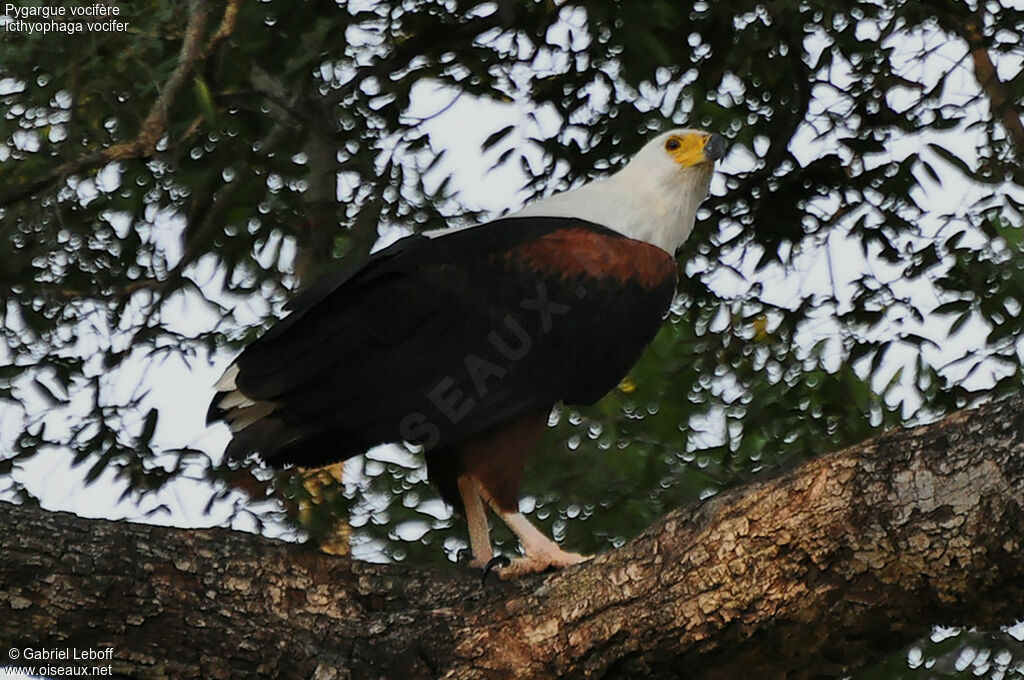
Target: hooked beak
{"type": "Point", "coordinates": [714, 148]}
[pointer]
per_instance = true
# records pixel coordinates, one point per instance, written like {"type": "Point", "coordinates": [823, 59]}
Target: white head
{"type": "Point", "coordinates": [654, 198]}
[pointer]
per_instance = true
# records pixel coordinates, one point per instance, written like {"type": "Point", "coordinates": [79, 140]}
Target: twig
{"type": "Point", "coordinates": [155, 125]}
{"type": "Point", "coordinates": [227, 25]}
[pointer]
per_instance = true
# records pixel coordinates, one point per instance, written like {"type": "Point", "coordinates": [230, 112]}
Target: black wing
{"type": "Point", "coordinates": [435, 340]}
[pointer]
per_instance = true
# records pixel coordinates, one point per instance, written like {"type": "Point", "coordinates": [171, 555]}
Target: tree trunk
{"type": "Point", "coordinates": [814, 573]}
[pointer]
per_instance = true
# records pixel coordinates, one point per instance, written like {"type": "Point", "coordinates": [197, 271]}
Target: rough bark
{"type": "Point", "coordinates": [810, 574]}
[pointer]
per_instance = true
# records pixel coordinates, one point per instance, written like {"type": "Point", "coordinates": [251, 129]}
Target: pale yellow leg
{"type": "Point", "coordinates": [541, 552]}
{"type": "Point", "coordinates": [476, 518]}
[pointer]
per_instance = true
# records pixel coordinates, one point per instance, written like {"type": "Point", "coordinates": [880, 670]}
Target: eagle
{"type": "Point", "coordinates": [461, 341]}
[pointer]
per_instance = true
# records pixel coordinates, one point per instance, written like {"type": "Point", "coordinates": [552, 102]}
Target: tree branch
{"type": "Point", "coordinates": [155, 125]}
{"type": "Point", "coordinates": [1000, 102]}
{"type": "Point", "coordinates": [811, 574]}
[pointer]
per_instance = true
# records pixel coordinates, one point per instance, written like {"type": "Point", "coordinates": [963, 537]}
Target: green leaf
{"type": "Point", "coordinates": [204, 99]}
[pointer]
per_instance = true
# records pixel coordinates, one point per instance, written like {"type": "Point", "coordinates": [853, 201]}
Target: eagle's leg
{"type": "Point", "coordinates": [541, 552]}
{"type": "Point", "coordinates": [489, 470]}
{"type": "Point", "coordinates": [476, 518]}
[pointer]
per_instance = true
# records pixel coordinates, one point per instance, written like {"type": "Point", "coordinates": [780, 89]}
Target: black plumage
{"type": "Point", "coordinates": [437, 340]}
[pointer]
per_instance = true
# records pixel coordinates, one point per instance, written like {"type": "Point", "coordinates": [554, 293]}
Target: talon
{"type": "Point", "coordinates": [463, 556]}
{"type": "Point", "coordinates": [496, 561]}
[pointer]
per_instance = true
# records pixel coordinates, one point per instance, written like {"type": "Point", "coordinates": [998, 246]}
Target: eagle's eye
{"type": "Point", "coordinates": [672, 144]}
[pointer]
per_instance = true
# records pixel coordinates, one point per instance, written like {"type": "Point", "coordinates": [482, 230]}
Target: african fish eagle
{"type": "Point", "coordinates": [461, 341]}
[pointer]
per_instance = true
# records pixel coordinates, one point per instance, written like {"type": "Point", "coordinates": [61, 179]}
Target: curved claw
{"type": "Point", "coordinates": [496, 561]}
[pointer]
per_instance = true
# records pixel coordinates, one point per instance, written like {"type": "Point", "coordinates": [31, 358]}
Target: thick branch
{"type": "Point", "coordinates": [811, 574]}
